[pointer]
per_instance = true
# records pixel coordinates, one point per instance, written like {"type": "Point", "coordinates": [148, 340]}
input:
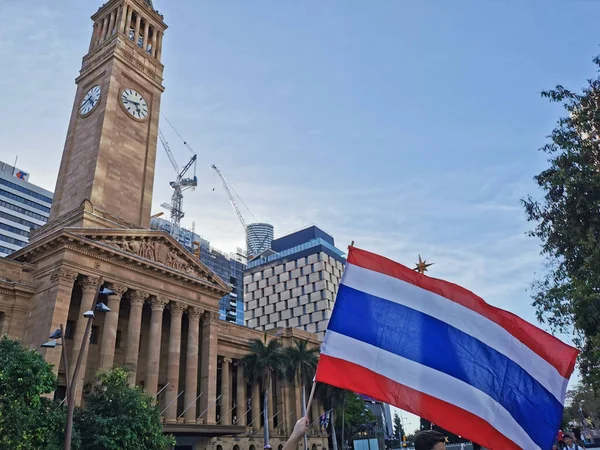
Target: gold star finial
{"type": "Point", "coordinates": [422, 266]}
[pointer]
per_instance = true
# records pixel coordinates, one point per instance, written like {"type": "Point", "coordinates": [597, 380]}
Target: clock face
{"type": "Point", "coordinates": [134, 103]}
{"type": "Point", "coordinates": [90, 100]}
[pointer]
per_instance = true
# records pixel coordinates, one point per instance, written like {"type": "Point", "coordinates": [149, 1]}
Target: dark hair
{"type": "Point", "coordinates": [425, 440]}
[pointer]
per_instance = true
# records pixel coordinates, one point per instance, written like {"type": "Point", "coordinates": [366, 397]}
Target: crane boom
{"type": "Point", "coordinates": [230, 195]}
{"type": "Point", "coordinates": [168, 150]}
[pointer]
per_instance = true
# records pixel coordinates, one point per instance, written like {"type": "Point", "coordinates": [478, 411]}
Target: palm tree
{"type": "Point", "coordinates": [331, 397]}
{"type": "Point", "coordinates": [261, 365]}
{"type": "Point", "coordinates": [301, 364]}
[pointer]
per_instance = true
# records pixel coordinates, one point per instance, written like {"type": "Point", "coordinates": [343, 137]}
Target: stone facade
{"type": "Point", "coordinates": [162, 323]}
{"type": "Point", "coordinates": [297, 293]}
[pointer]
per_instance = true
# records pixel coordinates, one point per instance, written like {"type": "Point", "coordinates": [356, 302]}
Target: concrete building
{"type": "Point", "coordinates": [229, 267]}
{"type": "Point", "coordinates": [23, 207]}
{"type": "Point", "coordinates": [295, 283]}
{"type": "Point", "coordinates": [164, 306]}
{"type": "Point", "coordinates": [258, 238]}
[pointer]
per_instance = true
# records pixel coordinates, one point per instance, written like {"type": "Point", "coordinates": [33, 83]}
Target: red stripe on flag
{"type": "Point", "coordinates": [556, 352]}
{"type": "Point", "coordinates": [353, 377]}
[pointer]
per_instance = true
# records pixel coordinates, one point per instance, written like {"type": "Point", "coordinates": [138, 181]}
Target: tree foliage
{"type": "Point", "coordinates": [118, 416]}
{"type": "Point", "coordinates": [264, 361]}
{"type": "Point", "coordinates": [300, 362]}
{"type": "Point", "coordinates": [582, 408]}
{"type": "Point", "coordinates": [398, 429]}
{"type": "Point", "coordinates": [567, 222]}
{"type": "Point", "coordinates": [27, 420]}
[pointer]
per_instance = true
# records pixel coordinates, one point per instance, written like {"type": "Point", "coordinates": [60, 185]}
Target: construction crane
{"type": "Point", "coordinates": [236, 208]}
{"type": "Point", "coordinates": [180, 184]}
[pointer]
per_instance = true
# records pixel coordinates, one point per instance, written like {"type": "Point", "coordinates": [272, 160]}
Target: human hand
{"type": "Point", "coordinates": [300, 427]}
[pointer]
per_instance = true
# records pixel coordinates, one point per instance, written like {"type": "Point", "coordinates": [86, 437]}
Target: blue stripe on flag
{"type": "Point", "coordinates": [393, 327]}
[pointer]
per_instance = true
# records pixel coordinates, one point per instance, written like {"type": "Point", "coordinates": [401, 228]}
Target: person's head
{"type": "Point", "coordinates": [568, 439]}
{"type": "Point", "coordinates": [430, 440]}
{"type": "Point", "coordinates": [555, 446]}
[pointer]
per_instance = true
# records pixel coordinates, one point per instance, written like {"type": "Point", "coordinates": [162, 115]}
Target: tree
{"type": "Point", "coordinates": [332, 398]}
{"type": "Point", "coordinates": [264, 362]}
{"type": "Point", "coordinates": [398, 429]}
{"type": "Point", "coordinates": [27, 420]}
{"type": "Point", "coordinates": [582, 405]}
{"type": "Point", "coordinates": [118, 416]}
{"type": "Point", "coordinates": [568, 224]}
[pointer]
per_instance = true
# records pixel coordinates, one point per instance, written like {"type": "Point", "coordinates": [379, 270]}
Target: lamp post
{"type": "Point", "coordinates": [70, 389]}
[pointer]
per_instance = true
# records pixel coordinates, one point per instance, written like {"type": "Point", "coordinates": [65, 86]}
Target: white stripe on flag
{"type": "Point", "coordinates": [429, 381]}
{"type": "Point", "coordinates": [460, 317]}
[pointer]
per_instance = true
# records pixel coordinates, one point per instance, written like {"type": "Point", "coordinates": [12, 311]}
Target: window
{"type": "Point", "coordinates": [94, 335]}
{"type": "Point", "coordinates": [18, 231]}
{"type": "Point", "coordinates": [18, 187]}
{"type": "Point", "coordinates": [118, 339]}
{"type": "Point", "coordinates": [23, 211]}
{"type": "Point", "coordinates": [18, 220]}
{"type": "Point", "coordinates": [6, 250]}
{"type": "Point", "coordinates": [23, 200]}
{"type": "Point", "coordinates": [12, 240]}
{"type": "Point", "coordinates": [70, 330]}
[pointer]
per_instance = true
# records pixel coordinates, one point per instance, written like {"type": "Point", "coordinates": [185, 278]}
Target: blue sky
{"type": "Point", "coordinates": [408, 127]}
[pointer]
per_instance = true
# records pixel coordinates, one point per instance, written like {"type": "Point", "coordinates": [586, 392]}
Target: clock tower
{"type": "Point", "coordinates": [107, 170]}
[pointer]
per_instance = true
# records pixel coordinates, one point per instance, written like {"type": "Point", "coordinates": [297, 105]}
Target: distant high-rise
{"type": "Point", "coordinates": [295, 283]}
{"type": "Point", "coordinates": [229, 267]}
{"type": "Point", "coordinates": [23, 207]}
{"type": "Point", "coordinates": [258, 238]}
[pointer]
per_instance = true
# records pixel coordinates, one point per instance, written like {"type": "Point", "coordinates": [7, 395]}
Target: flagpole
{"type": "Point", "coordinates": [310, 398]}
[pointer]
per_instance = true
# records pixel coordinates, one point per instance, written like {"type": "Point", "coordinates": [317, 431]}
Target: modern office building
{"type": "Point", "coordinates": [23, 207]}
{"type": "Point", "coordinates": [294, 283]}
{"type": "Point", "coordinates": [258, 238]}
{"type": "Point", "coordinates": [229, 267]}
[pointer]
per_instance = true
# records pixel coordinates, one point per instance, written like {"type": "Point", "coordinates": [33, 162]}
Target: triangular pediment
{"type": "Point", "coordinates": [155, 246]}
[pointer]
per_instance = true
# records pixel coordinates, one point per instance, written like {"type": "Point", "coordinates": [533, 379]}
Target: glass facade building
{"type": "Point", "coordinates": [229, 267]}
{"type": "Point", "coordinates": [259, 237]}
{"type": "Point", "coordinates": [23, 207]}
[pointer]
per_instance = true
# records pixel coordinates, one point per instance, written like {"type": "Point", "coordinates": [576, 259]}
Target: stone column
{"type": "Point", "coordinates": [94, 37]}
{"type": "Point", "coordinates": [50, 309]}
{"type": "Point", "coordinates": [138, 24]}
{"type": "Point", "coordinates": [173, 365]}
{"type": "Point", "coordinates": [134, 329]}
{"type": "Point", "coordinates": [104, 29]}
{"type": "Point", "coordinates": [225, 392]}
{"type": "Point", "coordinates": [159, 45]}
{"type": "Point", "coordinates": [146, 35]}
{"type": "Point", "coordinates": [241, 404]}
{"type": "Point", "coordinates": [154, 41]}
{"type": "Point", "coordinates": [270, 402]}
{"type": "Point", "coordinates": [208, 371]}
{"type": "Point", "coordinates": [122, 18]}
{"type": "Point", "coordinates": [191, 365]}
{"type": "Point", "coordinates": [128, 20]}
{"type": "Point", "coordinates": [256, 406]}
{"type": "Point", "coordinates": [158, 306]}
{"type": "Point", "coordinates": [111, 23]}
{"type": "Point", "coordinates": [109, 329]}
{"type": "Point", "coordinates": [89, 286]}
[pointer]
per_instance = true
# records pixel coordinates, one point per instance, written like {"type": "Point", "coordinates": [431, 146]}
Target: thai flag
{"type": "Point", "coordinates": [437, 350]}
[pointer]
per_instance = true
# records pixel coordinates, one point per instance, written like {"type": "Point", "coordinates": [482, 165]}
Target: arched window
{"type": "Point", "coordinates": [236, 447]}
{"type": "Point", "coordinates": [219, 447]}
{"type": "Point", "coordinates": [252, 447]}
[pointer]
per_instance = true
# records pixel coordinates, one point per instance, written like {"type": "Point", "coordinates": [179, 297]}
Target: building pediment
{"type": "Point", "coordinates": [156, 246]}
{"type": "Point", "coordinates": [154, 249]}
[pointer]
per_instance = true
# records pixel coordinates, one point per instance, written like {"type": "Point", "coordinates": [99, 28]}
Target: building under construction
{"type": "Point", "coordinates": [229, 267]}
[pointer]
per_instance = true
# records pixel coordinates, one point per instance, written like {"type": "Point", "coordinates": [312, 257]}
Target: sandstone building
{"type": "Point", "coordinates": [163, 323]}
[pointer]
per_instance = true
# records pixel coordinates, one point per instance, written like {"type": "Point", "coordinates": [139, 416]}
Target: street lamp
{"type": "Point", "coordinates": [70, 388]}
